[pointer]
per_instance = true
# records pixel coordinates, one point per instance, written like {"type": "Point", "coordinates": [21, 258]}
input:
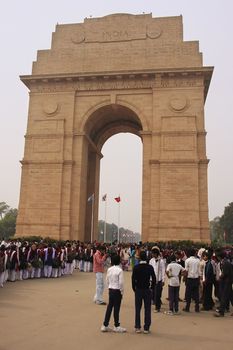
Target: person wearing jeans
{"type": "Point", "coordinates": [98, 268]}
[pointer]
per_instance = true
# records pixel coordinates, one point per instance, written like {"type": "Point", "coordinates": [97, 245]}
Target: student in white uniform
{"type": "Point", "coordinates": [173, 271]}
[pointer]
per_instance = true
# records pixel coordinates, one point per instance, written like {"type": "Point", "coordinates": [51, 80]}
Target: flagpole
{"type": "Point", "coordinates": [92, 217]}
{"type": "Point", "coordinates": [118, 235]}
{"type": "Point", "coordinates": [105, 217]}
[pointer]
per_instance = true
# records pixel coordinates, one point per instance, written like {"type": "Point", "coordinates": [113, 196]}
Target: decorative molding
{"type": "Point", "coordinates": [50, 108]}
{"type": "Point", "coordinates": [174, 161]}
{"type": "Point", "coordinates": [178, 102]}
{"type": "Point", "coordinates": [156, 79]}
{"type": "Point", "coordinates": [47, 162]}
{"type": "Point", "coordinates": [153, 31]}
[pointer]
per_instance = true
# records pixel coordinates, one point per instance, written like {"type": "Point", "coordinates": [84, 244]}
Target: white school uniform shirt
{"type": "Point", "coordinates": [173, 270]}
{"type": "Point", "coordinates": [192, 266]}
{"type": "Point", "coordinates": [159, 268]}
{"type": "Point", "coordinates": [115, 278]}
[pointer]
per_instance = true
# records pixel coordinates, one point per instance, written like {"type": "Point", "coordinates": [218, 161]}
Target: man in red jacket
{"type": "Point", "coordinates": [98, 267]}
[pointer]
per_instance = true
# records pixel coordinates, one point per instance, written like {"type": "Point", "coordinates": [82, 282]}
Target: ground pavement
{"type": "Point", "coordinates": [60, 314]}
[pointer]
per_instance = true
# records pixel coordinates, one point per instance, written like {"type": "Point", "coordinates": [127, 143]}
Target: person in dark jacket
{"type": "Point", "coordinates": [226, 279]}
{"type": "Point", "coordinates": [143, 282]}
{"type": "Point", "coordinates": [208, 282]}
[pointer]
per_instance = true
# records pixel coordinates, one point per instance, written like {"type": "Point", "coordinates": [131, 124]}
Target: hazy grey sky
{"type": "Point", "coordinates": [26, 26]}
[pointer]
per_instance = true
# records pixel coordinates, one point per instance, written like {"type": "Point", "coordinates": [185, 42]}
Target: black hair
{"type": "Point", "coordinates": [143, 255]}
{"type": "Point", "coordinates": [155, 251]}
{"type": "Point", "coordinates": [115, 259]}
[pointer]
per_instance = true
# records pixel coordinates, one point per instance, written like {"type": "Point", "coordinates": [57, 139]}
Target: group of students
{"type": "Point", "coordinates": [201, 271]}
{"type": "Point", "coordinates": [204, 272]}
{"type": "Point", "coordinates": [22, 260]}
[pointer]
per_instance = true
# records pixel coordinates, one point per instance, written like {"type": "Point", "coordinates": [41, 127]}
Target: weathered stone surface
{"type": "Point", "coordinates": [118, 73]}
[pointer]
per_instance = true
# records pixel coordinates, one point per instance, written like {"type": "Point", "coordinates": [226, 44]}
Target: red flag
{"type": "Point", "coordinates": [118, 199]}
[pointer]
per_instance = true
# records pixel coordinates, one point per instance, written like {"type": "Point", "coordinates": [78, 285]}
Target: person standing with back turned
{"type": "Point", "coordinates": [143, 281]}
{"type": "Point", "coordinates": [192, 268]}
{"type": "Point", "coordinates": [115, 284]}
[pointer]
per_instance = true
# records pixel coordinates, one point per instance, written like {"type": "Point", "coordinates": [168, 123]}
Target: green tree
{"type": "Point", "coordinates": [8, 223]}
{"type": "Point", "coordinates": [226, 222]}
{"type": "Point", "coordinates": [3, 209]}
{"type": "Point", "coordinates": [216, 230]}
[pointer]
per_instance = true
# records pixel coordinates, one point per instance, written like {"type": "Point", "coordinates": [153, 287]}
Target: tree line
{"type": "Point", "coordinates": [221, 227]}
{"type": "Point", "coordinates": [8, 218]}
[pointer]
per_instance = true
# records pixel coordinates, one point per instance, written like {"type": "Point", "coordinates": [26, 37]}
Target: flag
{"type": "Point", "coordinates": [104, 197]}
{"type": "Point", "coordinates": [91, 198]}
{"type": "Point", "coordinates": [117, 199]}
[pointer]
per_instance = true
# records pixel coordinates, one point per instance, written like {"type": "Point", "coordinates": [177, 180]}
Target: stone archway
{"type": "Point", "coordinates": [98, 80]}
{"type": "Point", "coordinates": [103, 123]}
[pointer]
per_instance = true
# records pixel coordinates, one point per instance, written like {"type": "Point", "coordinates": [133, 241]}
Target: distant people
{"type": "Point", "coordinates": [124, 255]}
{"type": "Point", "coordinates": [115, 285]}
{"type": "Point", "coordinates": [132, 252]}
{"type": "Point", "coordinates": [173, 271]}
{"type": "Point", "coordinates": [143, 281]}
{"type": "Point", "coordinates": [192, 269]}
{"type": "Point", "coordinates": [98, 267]}
{"type": "Point", "coordinates": [49, 255]}
{"type": "Point", "coordinates": [208, 282]}
{"type": "Point", "coordinates": [226, 279]}
{"type": "Point", "coordinates": [13, 262]}
{"type": "Point", "coordinates": [158, 265]}
{"type": "Point", "coordinates": [3, 261]}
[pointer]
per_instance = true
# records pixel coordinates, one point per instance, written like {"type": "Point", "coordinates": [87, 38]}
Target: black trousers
{"type": "Point", "coordinates": [157, 295]}
{"type": "Point", "coordinates": [192, 292]}
{"type": "Point", "coordinates": [173, 295]}
{"type": "Point", "coordinates": [225, 295]}
{"type": "Point", "coordinates": [143, 295]}
{"type": "Point", "coordinates": [114, 303]}
{"type": "Point", "coordinates": [208, 302]}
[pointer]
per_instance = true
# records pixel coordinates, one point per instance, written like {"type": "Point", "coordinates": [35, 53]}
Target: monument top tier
{"type": "Point", "coordinates": [118, 43]}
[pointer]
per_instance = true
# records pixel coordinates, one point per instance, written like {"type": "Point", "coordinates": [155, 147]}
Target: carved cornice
{"type": "Point", "coordinates": [155, 79]}
{"type": "Point", "coordinates": [183, 132]}
{"type": "Point", "coordinates": [48, 162]}
{"type": "Point", "coordinates": [178, 161]}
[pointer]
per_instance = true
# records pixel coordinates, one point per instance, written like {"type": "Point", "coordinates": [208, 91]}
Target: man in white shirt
{"type": "Point", "coordinates": [115, 284]}
{"type": "Point", "coordinates": [159, 268]}
{"type": "Point", "coordinates": [192, 269]}
{"type": "Point", "coordinates": [174, 270]}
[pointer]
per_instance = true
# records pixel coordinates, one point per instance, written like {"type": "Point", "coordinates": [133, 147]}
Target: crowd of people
{"type": "Point", "coordinates": [201, 270]}
{"type": "Point", "coordinates": [206, 273]}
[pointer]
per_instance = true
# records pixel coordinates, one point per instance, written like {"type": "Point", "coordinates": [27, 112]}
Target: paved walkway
{"type": "Point", "coordinates": [58, 314]}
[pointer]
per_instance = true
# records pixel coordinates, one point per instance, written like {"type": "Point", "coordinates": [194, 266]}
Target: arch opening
{"type": "Point", "coordinates": [102, 126]}
{"type": "Point", "coordinates": [110, 120]}
{"type": "Point", "coordinates": [121, 176]}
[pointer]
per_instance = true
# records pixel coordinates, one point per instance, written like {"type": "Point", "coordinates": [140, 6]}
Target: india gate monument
{"type": "Point", "coordinates": [108, 75]}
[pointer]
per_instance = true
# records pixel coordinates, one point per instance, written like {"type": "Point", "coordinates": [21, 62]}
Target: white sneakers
{"type": "Point", "coordinates": [115, 329]}
{"type": "Point", "coordinates": [119, 329]}
{"type": "Point", "coordinates": [105, 329]}
{"type": "Point", "coordinates": [169, 312]}
{"type": "Point", "coordinates": [138, 330]}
